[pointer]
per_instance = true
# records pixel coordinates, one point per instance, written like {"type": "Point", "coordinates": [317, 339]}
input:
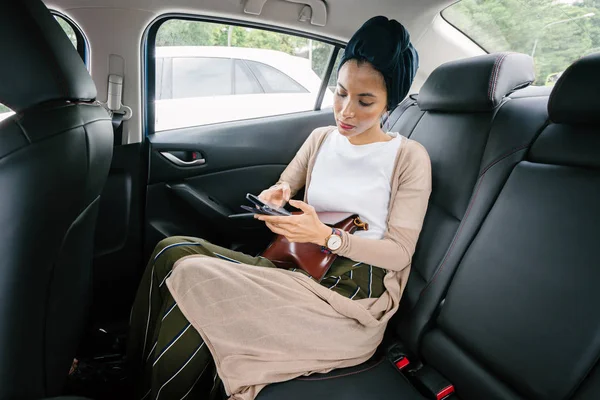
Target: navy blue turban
{"type": "Point", "coordinates": [385, 44]}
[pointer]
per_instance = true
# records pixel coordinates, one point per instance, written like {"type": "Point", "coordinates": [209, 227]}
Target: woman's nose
{"type": "Point", "coordinates": [347, 110]}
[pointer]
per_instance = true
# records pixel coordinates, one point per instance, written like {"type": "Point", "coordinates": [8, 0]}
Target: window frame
{"type": "Point", "coordinates": [83, 47]}
{"type": "Point", "coordinates": [148, 55]}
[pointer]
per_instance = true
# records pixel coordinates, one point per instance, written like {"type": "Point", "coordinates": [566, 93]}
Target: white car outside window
{"type": "Point", "coordinates": [199, 85]}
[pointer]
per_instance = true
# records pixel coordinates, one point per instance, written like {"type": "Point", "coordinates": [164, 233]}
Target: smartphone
{"type": "Point", "coordinates": [260, 207]}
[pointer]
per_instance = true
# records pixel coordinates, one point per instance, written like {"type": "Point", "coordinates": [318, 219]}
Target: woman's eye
{"type": "Point", "coordinates": [340, 94]}
{"type": "Point", "coordinates": [365, 104]}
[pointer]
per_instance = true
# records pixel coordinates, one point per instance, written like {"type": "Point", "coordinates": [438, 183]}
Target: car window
{"type": "Point", "coordinates": [206, 73]}
{"type": "Point", "coordinates": [273, 80]}
{"type": "Point", "coordinates": [78, 40]}
{"type": "Point", "coordinates": [555, 32]}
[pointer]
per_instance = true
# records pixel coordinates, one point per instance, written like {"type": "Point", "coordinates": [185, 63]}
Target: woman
{"type": "Point", "coordinates": [199, 302]}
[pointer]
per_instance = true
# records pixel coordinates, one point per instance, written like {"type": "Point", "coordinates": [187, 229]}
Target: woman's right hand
{"type": "Point", "coordinates": [277, 195]}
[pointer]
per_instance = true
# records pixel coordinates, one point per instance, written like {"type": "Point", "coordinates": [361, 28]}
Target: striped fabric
{"type": "Point", "coordinates": [169, 352]}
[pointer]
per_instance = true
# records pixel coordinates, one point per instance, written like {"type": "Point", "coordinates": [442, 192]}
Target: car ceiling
{"type": "Point", "coordinates": [342, 20]}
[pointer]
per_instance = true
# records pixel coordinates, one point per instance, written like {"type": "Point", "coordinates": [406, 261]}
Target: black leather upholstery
{"type": "Point", "coordinates": [469, 150]}
{"type": "Point", "coordinates": [520, 319]}
{"type": "Point", "coordinates": [518, 302]}
{"type": "Point", "coordinates": [441, 246]}
{"type": "Point", "coordinates": [475, 84]}
{"type": "Point", "coordinates": [575, 97]}
{"type": "Point", "coordinates": [374, 380]}
{"type": "Point", "coordinates": [54, 160]}
{"type": "Point", "coordinates": [42, 65]}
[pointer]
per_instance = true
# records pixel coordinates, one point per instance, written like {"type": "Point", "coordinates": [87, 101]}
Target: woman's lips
{"type": "Point", "coordinates": [345, 126]}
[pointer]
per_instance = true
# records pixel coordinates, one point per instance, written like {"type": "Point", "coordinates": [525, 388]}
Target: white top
{"type": "Point", "coordinates": [355, 178]}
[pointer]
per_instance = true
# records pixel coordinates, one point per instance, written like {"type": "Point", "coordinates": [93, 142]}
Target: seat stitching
{"type": "Point", "coordinates": [343, 375]}
{"type": "Point", "coordinates": [495, 76]}
{"type": "Point", "coordinates": [492, 78]}
{"type": "Point", "coordinates": [497, 160]}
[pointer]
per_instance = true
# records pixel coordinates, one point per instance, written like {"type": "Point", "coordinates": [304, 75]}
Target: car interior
{"type": "Point", "coordinates": [502, 299]}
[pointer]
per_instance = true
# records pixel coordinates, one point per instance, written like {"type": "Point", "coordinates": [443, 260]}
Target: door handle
{"type": "Point", "coordinates": [182, 163]}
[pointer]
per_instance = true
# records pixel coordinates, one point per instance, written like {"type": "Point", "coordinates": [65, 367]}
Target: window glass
{"type": "Point", "coordinates": [554, 32]}
{"type": "Point", "coordinates": [202, 70]}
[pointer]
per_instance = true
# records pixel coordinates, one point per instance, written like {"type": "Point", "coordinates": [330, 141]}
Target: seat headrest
{"type": "Point", "coordinates": [39, 63]}
{"type": "Point", "coordinates": [475, 84]}
{"type": "Point", "coordinates": [575, 99]}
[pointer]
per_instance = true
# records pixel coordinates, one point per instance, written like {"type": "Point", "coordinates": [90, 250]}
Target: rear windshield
{"type": "Point", "coordinates": [554, 32]}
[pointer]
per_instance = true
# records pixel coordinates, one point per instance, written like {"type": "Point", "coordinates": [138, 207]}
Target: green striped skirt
{"type": "Point", "coordinates": [167, 356]}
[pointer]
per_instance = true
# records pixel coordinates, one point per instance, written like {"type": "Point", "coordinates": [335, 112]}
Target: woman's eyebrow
{"type": "Point", "coordinates": [361, 94]}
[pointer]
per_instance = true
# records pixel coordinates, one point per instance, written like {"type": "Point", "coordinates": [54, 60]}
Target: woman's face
{"type": "Point", "coordinates": [360, 99]}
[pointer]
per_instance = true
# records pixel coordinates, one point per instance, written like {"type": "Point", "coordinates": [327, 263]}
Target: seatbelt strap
{"type": "Point", "coordinates": [117, 124]}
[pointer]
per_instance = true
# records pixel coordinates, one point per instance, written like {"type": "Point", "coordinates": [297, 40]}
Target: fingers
{"type": "Point", "coordinates": [306, 208]}
{"type": "Point", "coordinates": [279, 230]}
{"type": "Point", "coordinates": [275, 219]}
{"type": "Point", "coordinates": [287, 192]}
{"type": "Point", "coordinates": [274, 195]}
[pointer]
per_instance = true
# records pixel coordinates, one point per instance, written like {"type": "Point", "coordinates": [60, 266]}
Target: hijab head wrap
{"type": "Point", "coordinates": [385, 44]}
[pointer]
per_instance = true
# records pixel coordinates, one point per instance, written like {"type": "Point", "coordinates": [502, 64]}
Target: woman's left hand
{"type": "Point", "coordinates": [303, 228]}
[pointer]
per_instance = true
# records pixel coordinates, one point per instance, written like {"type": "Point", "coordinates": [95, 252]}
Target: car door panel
{"type": "Point", "coordinates": [239, 157]}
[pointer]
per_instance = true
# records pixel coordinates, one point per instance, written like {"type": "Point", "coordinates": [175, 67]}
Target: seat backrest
{"type": "Point", "coordinates": [520, 319]}
{"type": "Point", "coordinates": [463, 118]}
{"type": "Point", "coordinates": [55, 154]}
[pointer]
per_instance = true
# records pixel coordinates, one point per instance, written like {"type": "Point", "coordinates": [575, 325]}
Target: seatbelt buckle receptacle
{"type": "Point", "coordinates": [433, 384]}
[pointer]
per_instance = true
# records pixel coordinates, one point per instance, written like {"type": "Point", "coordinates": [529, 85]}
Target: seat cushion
{"type": "Point", "coordinates": [377, 379]}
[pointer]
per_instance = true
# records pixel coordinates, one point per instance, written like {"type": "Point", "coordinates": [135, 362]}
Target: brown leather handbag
{"type": "Point", "coordinates": [309, 256]}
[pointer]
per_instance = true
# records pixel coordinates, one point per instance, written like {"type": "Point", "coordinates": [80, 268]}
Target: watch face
{"type": "Point", "coordinates": [334, 242]}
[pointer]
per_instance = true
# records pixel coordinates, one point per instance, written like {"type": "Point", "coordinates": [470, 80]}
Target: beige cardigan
{"type": "Point", "coordinates": [266, 325]}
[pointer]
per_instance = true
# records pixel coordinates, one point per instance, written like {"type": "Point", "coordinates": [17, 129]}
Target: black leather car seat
{"type": "Point", "coordinates": [55, 153]}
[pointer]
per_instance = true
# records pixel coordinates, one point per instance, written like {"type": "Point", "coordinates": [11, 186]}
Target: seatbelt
{"type": "Point", "coordinates": [409, 101]}
{"type": "Point", "coordinates": [117, 124]}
